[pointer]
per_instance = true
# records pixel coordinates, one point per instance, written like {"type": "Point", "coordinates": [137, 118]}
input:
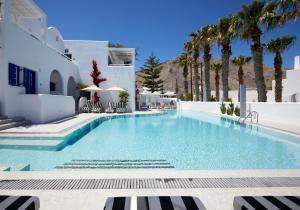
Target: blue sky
{"type": "Point", "coordinates": [158, 26]}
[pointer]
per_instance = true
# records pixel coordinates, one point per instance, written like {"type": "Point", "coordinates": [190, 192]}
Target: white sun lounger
{"type": "Point", "coordinates": [97, 108]}
{"type": "Point", "coordinates": [109, 108]}
{"type": "Point", "coordinates": [120, 108]}
{"type": "Point", "coordinates": [19, 202]}
{"type": "Point", "coordinates": [87, 107]}
{"type": "Point", "coordinates": [266, 202]}
{"type": "Point", "coordinates": [154, 203]}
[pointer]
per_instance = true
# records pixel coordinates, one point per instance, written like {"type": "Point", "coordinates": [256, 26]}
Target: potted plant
{"type": "Point", "coordinates": [123, 96]}
{"type": "Point", "coordinates": [237, 111]}
{"type": "Point", "coordinates": [223, 108]}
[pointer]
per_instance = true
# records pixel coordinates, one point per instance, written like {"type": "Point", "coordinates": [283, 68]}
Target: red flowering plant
{"type": "Point", "coordinates": [95, 74]}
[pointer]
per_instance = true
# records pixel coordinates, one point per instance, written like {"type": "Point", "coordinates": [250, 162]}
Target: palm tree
{"type": "Point", "coordinates": [184, 62]}
{"type": "Point", "coordinates": [286, 10]}
{"type": "Point", "coordinates": [195, 46]}
{"type": "Point", "coordinates": [253, 21]}
{"type": "Point", "coordinates": [278, 46]}
{"type": "Point", "coordinates": [240, 61]}
{"type": "Point", "coordinates": [189, 51]}
{"type": "Point", "coordinates": [206, 36]}
{"type": "Point", "coordinates": [226, 31]}
{"type": "Point", "coordinates": [216, 67]}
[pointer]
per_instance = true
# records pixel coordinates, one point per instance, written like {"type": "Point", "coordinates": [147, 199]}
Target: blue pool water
{"type": "Point", "coordinates": [188, 140]}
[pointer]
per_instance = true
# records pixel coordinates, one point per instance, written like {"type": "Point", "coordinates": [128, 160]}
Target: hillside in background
{"type": "Point", "coordinates": [171, 72]}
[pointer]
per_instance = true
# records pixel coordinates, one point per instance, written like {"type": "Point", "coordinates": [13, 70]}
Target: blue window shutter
{"type": "Point", "coordinates": [12, 74]}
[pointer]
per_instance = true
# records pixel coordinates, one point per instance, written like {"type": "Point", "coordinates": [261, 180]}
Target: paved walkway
{"type": "Point", "coordinates": [214, 198]}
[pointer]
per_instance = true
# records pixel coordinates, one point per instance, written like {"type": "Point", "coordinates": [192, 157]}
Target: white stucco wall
{"type": "Point", "coordinates": [54, 39]}
{"type": "Point", "coordinates": [251, 95]}
{"type": "Point", "coordinates": [84, 52]}
{"type": "Point", "coordinates": [27, 51]}
{"type": "Point", "coordinates": [285, 113]}
{"type": "Point", "coordinates": [41, 108]}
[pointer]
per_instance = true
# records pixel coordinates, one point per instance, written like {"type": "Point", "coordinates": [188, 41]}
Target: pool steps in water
{"type": "Point", "coordinates": [23, 143]}
{"type": "Point", "coordinates": [15, 167]}
{"type": "Point", "coordinates": [116, 164]}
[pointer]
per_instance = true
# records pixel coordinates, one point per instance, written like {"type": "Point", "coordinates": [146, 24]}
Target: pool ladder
{"type": "Point", "coordinates": [252, 115]}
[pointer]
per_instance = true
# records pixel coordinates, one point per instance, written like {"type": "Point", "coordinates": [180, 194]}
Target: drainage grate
{"type": "Point", "coordinates": [116, 164]}
{"type": "Point", "coordinates": [177, 183]}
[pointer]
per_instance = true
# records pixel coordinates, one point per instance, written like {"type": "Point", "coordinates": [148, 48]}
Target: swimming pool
{"type": "Point", "coordinates": [187, 141]}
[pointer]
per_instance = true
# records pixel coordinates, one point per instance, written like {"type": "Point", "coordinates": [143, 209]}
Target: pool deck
{"type": "Point", "coordinates": [214, 198]}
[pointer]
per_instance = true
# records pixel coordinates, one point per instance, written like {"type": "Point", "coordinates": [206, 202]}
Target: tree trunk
{"type": "Point", "coordinates": [186, 88]}
{"type": "Point", "coordinates": [206, 58]}
{"type": "Point", "coordinates": [241, 79]}
{"type": "Point", "coordinates": [201, 81]}
{"type": "Point", "coordinates": [278, 77]}
{"type": "Point", "coordinates": [257, 54]}
{"type": "Point", "coordinates": [226, 52]}
{"type": "Point", "coordinates": [196, 77]}
{"type": "Point", "coordinates": [191, 82]}
{"type": "Point", "coordinates": [217, 83]}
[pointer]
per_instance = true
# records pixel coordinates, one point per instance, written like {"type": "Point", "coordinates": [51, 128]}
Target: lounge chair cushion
{"type": "Point", "coordinates": [266, 202]}
{"type": "Point", "coordinates": [117, 203]}
{"type": "Point", "coordinates": [157, 203]}
{"type": "Point", "coordinates": [19, 202]}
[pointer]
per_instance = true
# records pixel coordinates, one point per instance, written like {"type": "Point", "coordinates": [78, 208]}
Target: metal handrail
{"type": "Point", "coordinates": [251, 115]}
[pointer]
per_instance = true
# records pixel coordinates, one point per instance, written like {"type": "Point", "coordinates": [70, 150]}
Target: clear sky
{"type": "Point", "coordinates": [158, 26]}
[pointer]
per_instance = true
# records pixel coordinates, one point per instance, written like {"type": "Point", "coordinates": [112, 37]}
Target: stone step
{"type": "Point", "coordinates": [14, 124]}
{"type": "Point", "coordinates": [8, 143]}
{"type": "Point", "coordinates": [10, 120]}
{"type": "Point", "coordinates": [115, 167]}
{"type": "Point", "coordinates": [115, 164]}
{"type": "Point", "coordinates": [121, 161]}
{"type": "Point", "coordinates": [3, 117]}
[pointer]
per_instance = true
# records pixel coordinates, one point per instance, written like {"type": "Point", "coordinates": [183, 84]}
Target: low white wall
{"type": "Point", "coordinates": [43, 108]}
{"type": "Point", "coordinates": [286, 113]}
{"type": "Point", "coordinates": [251, 95]}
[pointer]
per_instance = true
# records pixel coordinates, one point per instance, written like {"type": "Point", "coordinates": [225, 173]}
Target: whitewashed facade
{"type": "Point", "coordinates": [38, 77]}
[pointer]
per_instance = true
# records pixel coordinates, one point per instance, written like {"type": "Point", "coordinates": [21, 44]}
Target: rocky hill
{"type": "Point", "coordinates": [171, 72]}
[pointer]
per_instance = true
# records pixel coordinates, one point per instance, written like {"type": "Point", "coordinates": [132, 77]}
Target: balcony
{"type": "Point", "coordinates": [121, 56]}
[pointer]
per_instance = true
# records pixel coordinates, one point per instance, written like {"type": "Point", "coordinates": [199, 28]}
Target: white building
{"type": "Point", "coordinates": [39, 71]}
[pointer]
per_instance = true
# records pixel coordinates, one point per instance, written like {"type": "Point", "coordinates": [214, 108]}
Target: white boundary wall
{"type": "Point", "coordinates": [285, 113]}
{"type": "Point", "coordinates": [43, 108]}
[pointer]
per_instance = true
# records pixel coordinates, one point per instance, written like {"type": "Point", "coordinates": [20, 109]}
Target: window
{"type": "Point", "coordinates": [13, 74]}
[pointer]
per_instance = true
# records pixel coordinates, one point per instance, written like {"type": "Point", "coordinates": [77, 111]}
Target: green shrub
{"type": "Point", "coordinates": [212, 98]}
{"type": "Point", "coordinates": [229, 111]}
{"type": "Point", "coordinates": [231, 106]}
{"type": "Point", "coordinates": [223, 108]}
{"type": "Point", "coordinates": [123, 96]}
{"type": "Point", "coordinates": [237, 111]}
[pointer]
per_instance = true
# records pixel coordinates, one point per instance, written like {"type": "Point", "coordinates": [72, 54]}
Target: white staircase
{"type": "Point", "coordinates": [6, 123]}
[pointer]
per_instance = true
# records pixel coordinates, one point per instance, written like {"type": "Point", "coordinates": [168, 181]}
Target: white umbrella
{"type": "Point", "coordinates": [92, 89]}
{"type": "Point", "coordinates": [156, 93]}
{"type": "Point", "coordinates": [115, 88]}
{"type": "Point", "coordinates": [170, 93]}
